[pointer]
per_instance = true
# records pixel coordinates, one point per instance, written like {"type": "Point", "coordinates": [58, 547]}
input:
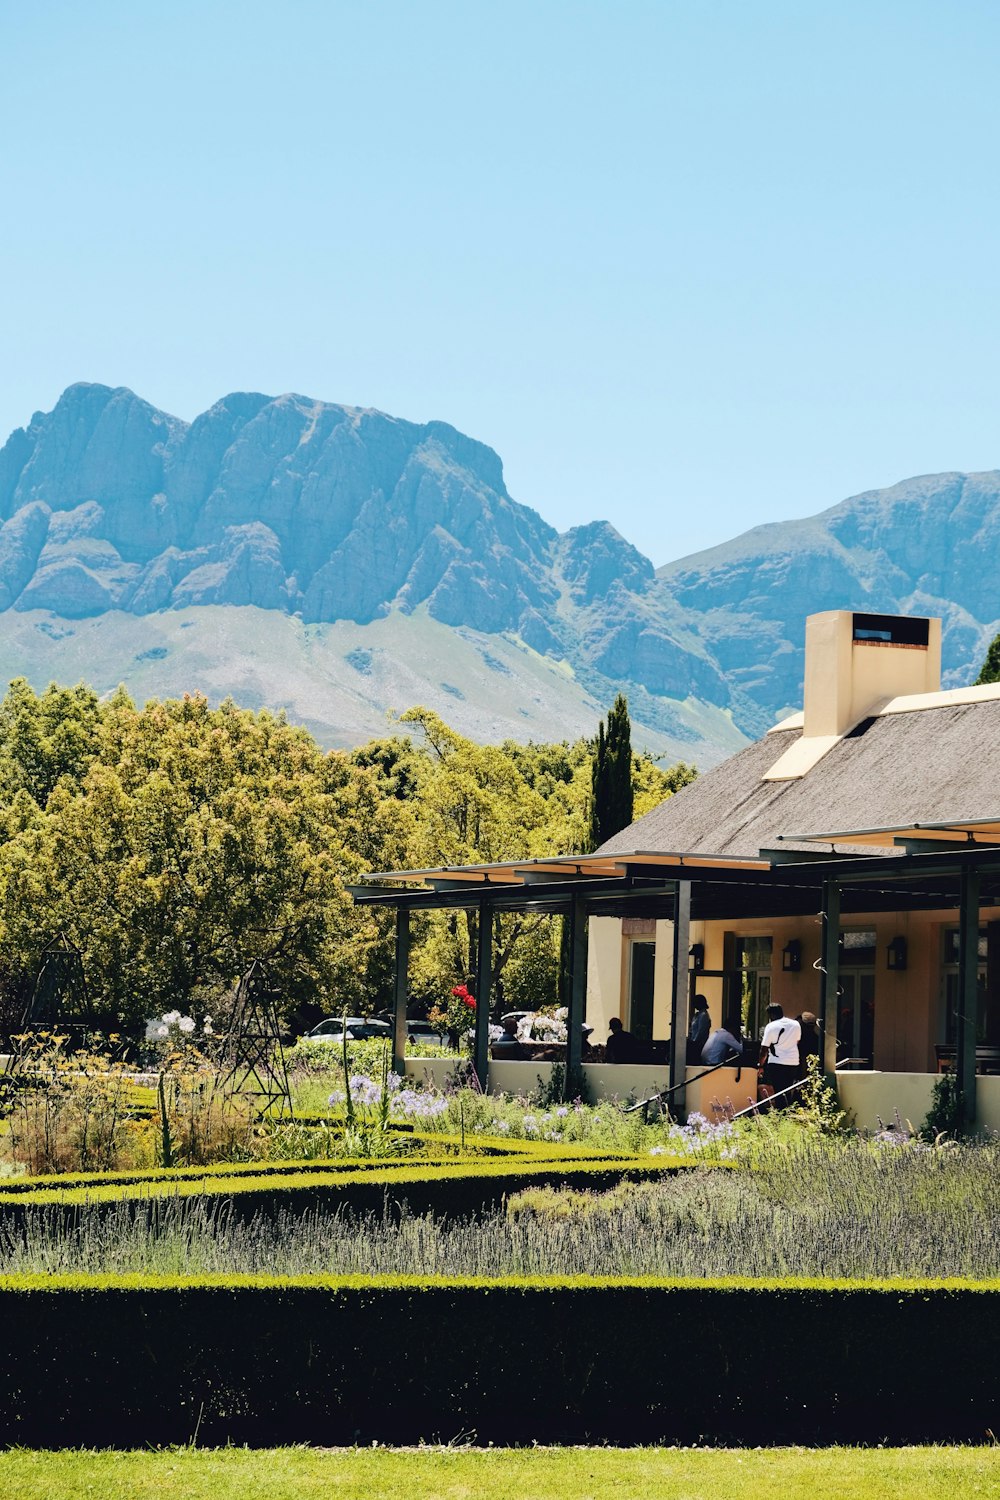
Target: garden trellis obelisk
{"type": "Point", "coordinates": [252, 1059]}
{"type": "Point", "coordinates": [59, 998]}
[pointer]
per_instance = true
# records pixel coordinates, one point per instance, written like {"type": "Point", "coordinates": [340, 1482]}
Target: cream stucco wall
{"type": "Point", "coordinates": [606, 1081]}
{"type": "Point", "coordinates": [868, 1096]}
{"type": "Point", "coordinates": [606, 972]}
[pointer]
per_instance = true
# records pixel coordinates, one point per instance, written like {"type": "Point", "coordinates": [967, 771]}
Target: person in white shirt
{"type": "Point", "coordinates": [779, 1050]}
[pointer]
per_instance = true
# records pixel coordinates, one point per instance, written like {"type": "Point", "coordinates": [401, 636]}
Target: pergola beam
{"type": "Point", "coordinates": [829, 993]}
{"type": "Point", "coordinates": [400, 992]}
{"type": "Point", "coordinates": [680, 987]}
{"type": "Point", "coordinates": [968, 992]}
{"type": "Point", "coordinates": [484, 984]}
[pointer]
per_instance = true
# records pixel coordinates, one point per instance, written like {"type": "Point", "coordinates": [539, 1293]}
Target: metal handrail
{"type": "Point", "coordinates": [664, 1094]}
{"type": "Point", "coordinates": [755, 1105]}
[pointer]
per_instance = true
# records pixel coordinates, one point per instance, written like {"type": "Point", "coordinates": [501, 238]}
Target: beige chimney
{"type": "Point", "coordinates": [855, 664]}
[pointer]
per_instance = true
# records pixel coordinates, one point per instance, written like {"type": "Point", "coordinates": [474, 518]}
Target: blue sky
{"type": "Point", "coordinates": [689, 266]}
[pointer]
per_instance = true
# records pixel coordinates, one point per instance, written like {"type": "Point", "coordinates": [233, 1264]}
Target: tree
{"type": "Point", "coordinates": [611, 799]}
{"type": "Point", "coordinates": [991, 666]}
{"type": "Point", "coordinates": [197, 840]}
{"type": "Point", "coordinates": [475, 805]}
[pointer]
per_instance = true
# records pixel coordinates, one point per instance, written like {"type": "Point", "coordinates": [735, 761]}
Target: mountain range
{"type": "Point", "coordinates": [342, 563]}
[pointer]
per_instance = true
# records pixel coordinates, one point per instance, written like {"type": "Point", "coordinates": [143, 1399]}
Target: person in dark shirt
{"type": "Point", "coordinates": [808, 1041]}
{"type": "Point", "coordinates": [620, 1046]}
{"type": "Point", "coordinates": [701, 1025]}
{"type": "Point", "coordinates": [508, 1047]}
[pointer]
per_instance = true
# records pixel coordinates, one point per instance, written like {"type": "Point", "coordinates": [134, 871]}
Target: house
{"type": "Point", "coordinates": [847, 863]}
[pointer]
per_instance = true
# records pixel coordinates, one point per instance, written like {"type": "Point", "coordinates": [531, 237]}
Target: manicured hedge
{"type": "Point", "coordinates": [439, 1146]}
{"type": "Point", "coordinates": [456, 1188]}
{"type": "Point", "coordinates": [114, 1361]}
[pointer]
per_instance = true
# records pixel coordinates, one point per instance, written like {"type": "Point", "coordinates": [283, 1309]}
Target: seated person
{"type": "Point", "coordinates": [724, 1043]}
{"type": "Point", "coordinates": [508, 1047]}
{"type": "Point", "coordinates": [620, 1045]}
{"type": "Point", "coordinates": [701, 1025]}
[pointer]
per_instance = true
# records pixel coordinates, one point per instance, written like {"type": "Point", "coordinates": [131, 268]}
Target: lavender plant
{"type": "Point", "coordinates": [845, 1208]}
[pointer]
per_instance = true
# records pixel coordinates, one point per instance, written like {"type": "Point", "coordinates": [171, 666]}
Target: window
{"type": "Point", "coordinates": [753, 959]}
{"type": "Point", "coordinates": [949, 984]}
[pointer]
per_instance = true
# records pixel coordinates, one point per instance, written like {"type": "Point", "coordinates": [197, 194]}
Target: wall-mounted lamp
{"type": "Point", "coordinates": [791, 956]}
{"type": "Point", "coordinates": [896, 954]}
{"type": "Point", "coordinates": [696, 953]}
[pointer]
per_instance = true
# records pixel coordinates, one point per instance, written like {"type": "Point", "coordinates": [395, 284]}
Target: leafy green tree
{"type": "Point", "coordinates": [177, 842]}
{"type": "Point", "coordinates": [990, 671]}
{"type": "Point", "coordinates": [198, 840]}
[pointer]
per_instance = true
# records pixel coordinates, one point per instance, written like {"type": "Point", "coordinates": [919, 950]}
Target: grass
{"type": "Point", "coordinates": [509, 1474]}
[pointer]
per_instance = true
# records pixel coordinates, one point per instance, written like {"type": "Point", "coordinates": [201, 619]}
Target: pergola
{"type": "Point", "coordinates": [922, 866]}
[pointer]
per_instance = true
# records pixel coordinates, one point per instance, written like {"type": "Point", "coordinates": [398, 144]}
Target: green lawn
{"type": "Point", "coordinates": [505, 1474]}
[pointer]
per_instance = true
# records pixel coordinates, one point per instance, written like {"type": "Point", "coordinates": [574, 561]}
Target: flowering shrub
{"type": "Point", "coordinates": [389, 1095]}
{"type": "Point", "coordinates": [457, 1013]}
{"type": "Point", "coordinates": [693, 1138]}
{"type": "Point", "coordinates": [546, 1025]}
{"type": "Point", "coordinates": [172, 1033]}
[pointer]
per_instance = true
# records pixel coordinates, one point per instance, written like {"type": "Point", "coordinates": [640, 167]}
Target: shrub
{"type": "Point", "coordinates": [946, 1116]}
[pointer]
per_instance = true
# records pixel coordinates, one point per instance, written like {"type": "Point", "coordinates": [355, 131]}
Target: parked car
{"type": "Point", "coordinates": [418, 1029]}
{"type": "Point", "coordinates": [359, 1029]}
{"type": "Point", "coordinates": [423, 1032]}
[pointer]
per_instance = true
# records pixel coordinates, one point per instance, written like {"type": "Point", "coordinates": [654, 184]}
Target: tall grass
{"type": "Point", "coordinates": [815, 1208]}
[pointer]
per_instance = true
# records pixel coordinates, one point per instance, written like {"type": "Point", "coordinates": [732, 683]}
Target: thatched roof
{"type": "Point", "coordinates": [928, 765]}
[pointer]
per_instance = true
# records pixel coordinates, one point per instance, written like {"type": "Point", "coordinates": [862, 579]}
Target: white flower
{"type": "Point", "coordinates": [185, 1024]}
{"type": "Point", "coordinates": [160, 1032]}
{"type": "Point", "coordinates": [207, 1026]}
{"type": "Point", "coordinates": [171, 1017]}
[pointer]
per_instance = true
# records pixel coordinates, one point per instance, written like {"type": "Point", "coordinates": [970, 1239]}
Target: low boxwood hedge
{"type": "Point", "coordinates": [134, 1361]}
{"type": "Point", "coordinates": [441, 1146]}
{"type": "Point", "coordinates": [444, 1188]}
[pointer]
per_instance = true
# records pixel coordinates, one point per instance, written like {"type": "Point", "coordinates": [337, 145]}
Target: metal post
{"type": "Point", "coordinates": [577, 1007]}
{"type": "Point", "coordinates": [829, 989]}
{"type": "Point", "coordinates": [681, 987]}
{"type": "Point", "coordinates": [400, 991]}
{"type": "Point", "coordinates": [968, 992]}
{"type": "Point", "coordinates": [484, 984]}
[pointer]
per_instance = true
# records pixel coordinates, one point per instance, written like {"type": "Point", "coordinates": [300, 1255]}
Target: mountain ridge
{"type": "Point", "coordinates": [341, 516]}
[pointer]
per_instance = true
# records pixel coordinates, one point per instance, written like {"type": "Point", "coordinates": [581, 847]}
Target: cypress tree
{"type": "Point", "coordinates": [611, 776]}
{"type": "Point", "coordinates": [991, 666]}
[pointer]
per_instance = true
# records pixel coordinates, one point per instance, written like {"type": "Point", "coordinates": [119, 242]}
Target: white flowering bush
{"type": "Point", "coordinates": [543, 1025]}
{"type": "Point", "coordinates": [174, 1031]}
{"type": "Point", "coordinates": [391, 1098]}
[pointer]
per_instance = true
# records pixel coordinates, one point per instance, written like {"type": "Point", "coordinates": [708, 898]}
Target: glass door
{"type": "Point", "coordinates": [753, 960]}
{"type": "Point", "coordinates": [856, 1016]}
{"type": "Point", "coordinates": [642, 969]}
